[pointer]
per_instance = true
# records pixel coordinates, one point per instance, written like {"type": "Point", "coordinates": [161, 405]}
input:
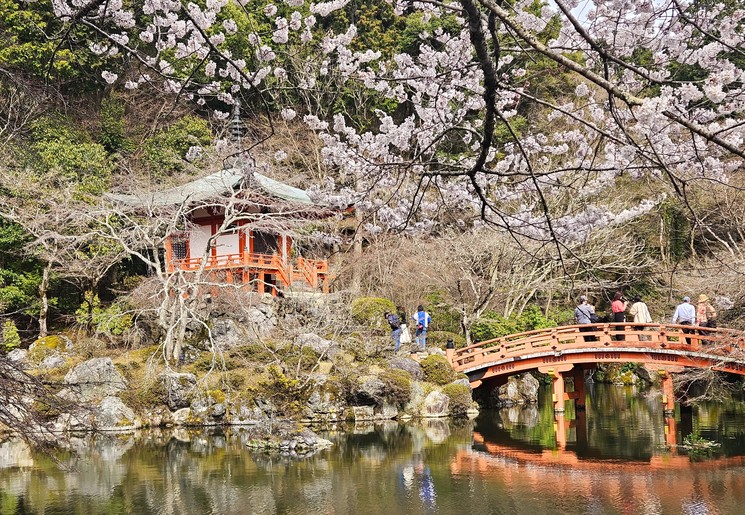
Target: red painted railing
{"type": "Point", "coordinates": [309, 271]}
{"type": "Point", "coordinates": [558, 339]}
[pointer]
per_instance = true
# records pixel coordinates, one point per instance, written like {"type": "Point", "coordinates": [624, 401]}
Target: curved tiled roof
{"type": "Point", "coordinates": [224, 182]}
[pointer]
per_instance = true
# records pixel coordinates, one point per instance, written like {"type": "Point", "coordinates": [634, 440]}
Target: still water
{"type": "Point", "coordinates": [611, 458]}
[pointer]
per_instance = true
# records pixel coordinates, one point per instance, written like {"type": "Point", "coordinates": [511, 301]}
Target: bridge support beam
{"type": "Point", "coordinates": [557, 383]}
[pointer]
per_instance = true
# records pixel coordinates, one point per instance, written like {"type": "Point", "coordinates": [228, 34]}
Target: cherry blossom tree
{"type": "Point", "coordinates": [651, 92]}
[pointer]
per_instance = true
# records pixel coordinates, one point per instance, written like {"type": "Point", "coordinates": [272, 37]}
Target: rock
{"type": "Point", "coordinates": [409, 365]}
{"type": "Point", "coordinates": [182, 416]}
{"type": "Point", "coordinates": [18, 356]}
{"type": "Point", "coordinates": [92, 380]}
{"type": "Point", "coordinates": [435, 405]}
{"type": "Point", "coordinates": [363, 413]}
{"type": "Point", "coordinates": [520, 389]}
{"type": "Point", "coordinates": [56, 360]}
{"type": "Point", "coordinates": [189, 354]}
{"type": "Point", "coordinates": [463, 381]}
{"type": "Point", "coordinates": [646, 375]}
{"type": "Point", "coordinates": [317, 344]}
{"type": "Point", "coordinates": [227, 334]}
{"type": "Point", "coordinates": [386, 412]}
{"type": "Point", "coordinates": [528, 387]}
{"type": "Point", "coordinates": [245, 415]}
{"type": "Point", "coordinates": [178, 389]}
{"type": "Point", "coordinates": [113, 414]}
{"type": "Point", "coordinates": [260, 321]}
{"type": "Point", "coordinates": [218, 410]}
{"type": "Point", "coordinates": [369, 390]}
{"type": "Point", "coordinates": [321, 408]}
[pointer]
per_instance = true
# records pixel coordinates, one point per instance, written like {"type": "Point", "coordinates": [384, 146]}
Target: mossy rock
{"type": "Point", "coordinates": [397, 387]}
{"type": "Point", "coordinates": [47, 346]}
{"type": "Point", "coordinates": [369, 310]}
{"type": "Point", "coordinates": [437, 370]}
{"type": "Point", "coordinates": [460, 398]}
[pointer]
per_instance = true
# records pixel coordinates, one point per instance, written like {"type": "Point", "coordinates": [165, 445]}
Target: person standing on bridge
{"type": "Point", "coordinates": [584, 313]}
{"type": "Point", "coordinates": [685, 314]}
{"type": "Point", "coordinates": [618, 307]}
{"type": "Point", "coordinates": [706, 315]}
{"type": "Point", "coordinates": [641, 315]}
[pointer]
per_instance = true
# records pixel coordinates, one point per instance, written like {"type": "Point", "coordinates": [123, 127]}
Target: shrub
{"type": "Point", "coordinates": [108, 321]}
{"type": "Point", "coordinates": [305, 356]}
{"type": "Point", "coordinates": [113, 131]}
{"type": "Point", "coordinates": [444, 318]}
{"type": "Point", "coordinates": [11, 338]}
{"type": "Point", "coordinates": [288, 395]}
{"type": "Point", "coordinates": [167, 150]}
{"type": "Point", "coordinates": [440, 339]}
{"type": "Point", "coordinates": [397, 387]}
{"type": "Point", "coordinates": [437, 370]}
{"type": "Point", "coordinates": [235, 380]}
{"type": "Point", "coordinates": [460, 398]}
{"type": "Point", "coordinates": [369, 310]}
{"type": "Point", "coordinates": [493, 325]}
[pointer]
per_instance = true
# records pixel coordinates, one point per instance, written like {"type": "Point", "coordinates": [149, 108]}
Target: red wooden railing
{"type": "Point", "coordinates": [309, 271]}
{"type": "Point", "coordinates": [564, 338]}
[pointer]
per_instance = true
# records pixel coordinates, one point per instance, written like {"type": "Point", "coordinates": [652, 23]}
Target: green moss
{"type": "Point", "coordinates": [217, 395]}
{"type": "Point", "coordinates": [397, 387]}
{"type": "Point", "coordinates": [235, 380]}
{"type": "Point", "coordinates": [46, 346]}
{"type": "Point", "coordinates": [369, 310]}
{"type": "Point", "coordinates": [460, 398]}
{"type": "Point", "coordinates": [437, 370]}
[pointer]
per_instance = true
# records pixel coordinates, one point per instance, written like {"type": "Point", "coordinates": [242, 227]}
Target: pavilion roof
{"type": "Point", "coordinates": [224, 182]}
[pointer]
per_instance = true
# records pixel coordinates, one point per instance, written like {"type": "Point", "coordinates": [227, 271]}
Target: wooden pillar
{"type": "Point", "coordinates": [557, 388]}
{"type": "Point", "coordinates": [671, 431]}
{"type": "Point", "coordinates": [169, 255]}
{"type": "Point", "coordinates": [668, 392]}
{"type": "Point", "coordinates": [560, 429]}
{"type": "Point", "coordinates": [557, 383]}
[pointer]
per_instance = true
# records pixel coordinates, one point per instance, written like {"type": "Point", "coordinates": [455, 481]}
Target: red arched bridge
{"type": "Point", "coordinates": [570, 350]}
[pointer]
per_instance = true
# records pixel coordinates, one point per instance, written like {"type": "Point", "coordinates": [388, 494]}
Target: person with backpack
{"type": "Point", "coordinates": [584, 313]}
{"type": "Point", "coordinates": [422, 320]}
{"type": "Point", "coordinates": [395, 322]}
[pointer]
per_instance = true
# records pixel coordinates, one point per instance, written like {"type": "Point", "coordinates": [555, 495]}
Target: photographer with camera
{"type": "Point", "coordinates": [618, 307]}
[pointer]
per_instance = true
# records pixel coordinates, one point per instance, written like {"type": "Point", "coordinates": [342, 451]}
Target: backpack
{"type": "Point", "coordinates": [394, 321]}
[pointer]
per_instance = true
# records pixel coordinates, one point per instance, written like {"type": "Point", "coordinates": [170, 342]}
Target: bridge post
{"type": "Point", "coordinates": [557, 383]}
{"type": "Point", "coordinates": [668, 392]}
{"type": "Point", "coordinates": [557, 389]}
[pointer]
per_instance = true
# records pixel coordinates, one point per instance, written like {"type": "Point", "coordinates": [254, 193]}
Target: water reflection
{"type": "Point", "coordinates": [615, 458]}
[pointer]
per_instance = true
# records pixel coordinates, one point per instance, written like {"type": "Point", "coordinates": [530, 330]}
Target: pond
{"type": "Point", "coordinates": [613, 458]}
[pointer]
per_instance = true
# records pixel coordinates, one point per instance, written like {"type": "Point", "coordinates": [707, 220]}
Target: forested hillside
{"type": "Point", "coordinates": [491, 159]}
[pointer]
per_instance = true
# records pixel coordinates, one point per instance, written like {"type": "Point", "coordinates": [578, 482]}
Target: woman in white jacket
{"type": "Point", "coordinates": [641, 315]}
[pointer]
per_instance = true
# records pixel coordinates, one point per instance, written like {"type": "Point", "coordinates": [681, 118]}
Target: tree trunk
{"type": "Point", "coordinates": [357, 255]}
{"type": "Point", "coordinates": [44, 310]}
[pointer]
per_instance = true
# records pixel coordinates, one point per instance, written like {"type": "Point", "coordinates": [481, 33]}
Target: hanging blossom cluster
{"type": "Point", "coordinates": [479, 130]}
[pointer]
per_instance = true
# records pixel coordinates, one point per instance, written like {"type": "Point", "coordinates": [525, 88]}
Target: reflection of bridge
{"type": "Point", "coordinates": [570, 350]}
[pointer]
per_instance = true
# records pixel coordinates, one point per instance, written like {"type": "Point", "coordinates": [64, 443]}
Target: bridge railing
{"type": "Point", "coordinates": [655, 336]}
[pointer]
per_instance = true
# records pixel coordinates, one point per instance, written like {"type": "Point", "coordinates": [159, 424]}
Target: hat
{"type": "Point", "coordinates": [702, 298]}
{"type": "Point", "coordinates": [686, 299]}
{"type": "Point", "coordinates": [582, 298]}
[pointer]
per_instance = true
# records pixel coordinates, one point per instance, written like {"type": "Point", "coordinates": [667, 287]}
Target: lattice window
{"type": "Point", "coordinates": [179, 249]}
